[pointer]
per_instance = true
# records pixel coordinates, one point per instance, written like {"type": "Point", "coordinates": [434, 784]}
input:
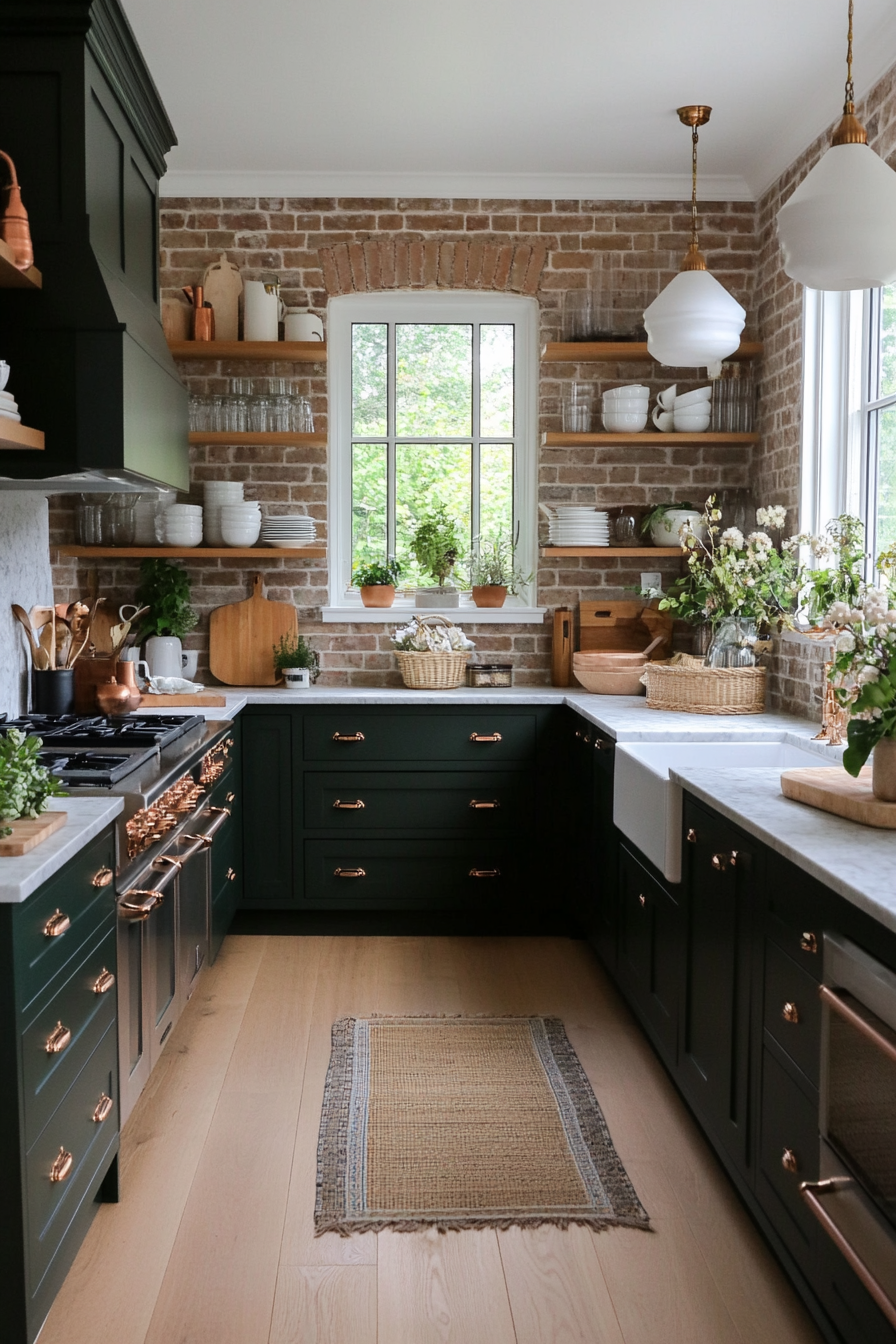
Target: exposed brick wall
{"type": "Point", "coordinates": [796, 675]}
{"type": "Point", "coordinates": [319, 246]}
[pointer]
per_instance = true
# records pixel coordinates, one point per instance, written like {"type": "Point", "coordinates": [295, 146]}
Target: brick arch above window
{"type": "Point", "coordinates": [373, 266]}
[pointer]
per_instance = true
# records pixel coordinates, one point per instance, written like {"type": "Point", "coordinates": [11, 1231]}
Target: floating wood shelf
{"type": "Point", "coordinates": [255, 553]}
{"type": "Point", "coordinates": [645, 436]}
{"type": "Point", "coordinates": [613, 552]}
{"type": "Point", "coordinates": [16, 436]}
{"type": "Point", "coordinates": [581, 352]}
{"type": "Point", "coordinates": [11, 277]}
{"type": "Point", "coordinates": [250, 437]}
{"type": "Point", "coordinates": [293, 352]}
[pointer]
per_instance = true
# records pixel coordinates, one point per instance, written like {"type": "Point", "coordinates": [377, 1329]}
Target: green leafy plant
{"type": "Point", "coordinates": [840, 553]}
{"type": "Point", "coordinates": [863, 671]}
{"type": "Point", "coordinates": [436, 545]}
{"type": "Point", "coordinates": [375, 575]}
{"type": "Point", "coordinates": [295, 651]}
{"type": "Point", "coordinates": [659, 511]}
{"type": "Point", "coordinates": [25, 785]}
{"type": "Point", "coordinates": [493, 563]}
{"type": "Point", "coordinates": [165, 589]}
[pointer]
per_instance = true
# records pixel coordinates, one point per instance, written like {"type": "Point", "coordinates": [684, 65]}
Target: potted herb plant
{"type": "Point", "coordinates": [435, 546]}
{"type": "Point", "coordinates": [26, 786]}
{"type": "Point", "coordinates": [494, 572]}
{"type": "Point", "coordinates": [296, 662]}
{"type": "Point", "coordinates": [165, 590]}
{"type": "Point", "coordinates": [377, 582]}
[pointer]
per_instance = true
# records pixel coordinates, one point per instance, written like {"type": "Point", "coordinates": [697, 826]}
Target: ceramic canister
{"type": "Point", "coordinates": [262, 310]}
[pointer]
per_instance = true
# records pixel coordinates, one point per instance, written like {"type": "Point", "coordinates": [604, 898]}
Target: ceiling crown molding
{"type": "Point", "coordinates": [185, 182]}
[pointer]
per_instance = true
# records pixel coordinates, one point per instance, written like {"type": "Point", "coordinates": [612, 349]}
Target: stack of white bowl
{"type": "Point", "coordinates": [572, 525]}
{"type": "Point", "coordinates": [624, 409]}
{"type": "Point", "coordinates": [240, 524]}
{"type": "Point", "coordinates": [692, 410]}
{"type": "Point", "coordinates": [290, 531]}
{"type": "Point", "coordinates": [182, 525]}
{"type": "Point", "coordinates": [217, 494]}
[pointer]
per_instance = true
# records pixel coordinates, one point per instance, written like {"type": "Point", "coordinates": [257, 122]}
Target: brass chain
{"type": "Point", "coordinates": [850, 88]}
{"type": "Point", "coordinates": [694, 184]}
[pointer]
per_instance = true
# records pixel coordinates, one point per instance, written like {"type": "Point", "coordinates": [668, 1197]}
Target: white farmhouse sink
{"type": "Point", "coordinates": [647, 804]}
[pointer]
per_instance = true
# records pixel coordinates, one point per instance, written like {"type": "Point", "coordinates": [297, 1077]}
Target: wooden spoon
{"type": "Point", "coordinates": [22, 618]}
{"type": "Point", "coordinates": [650, 647]}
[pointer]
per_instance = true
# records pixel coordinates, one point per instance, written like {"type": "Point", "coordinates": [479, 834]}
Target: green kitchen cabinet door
{"type": "Point", "coordinates": [268, 844]}
{"type": "Point", "coordinates": [650, 951]}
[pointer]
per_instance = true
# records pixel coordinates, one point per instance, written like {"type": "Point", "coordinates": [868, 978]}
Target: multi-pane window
{"type": "Point", "coordinates": [879, 415]}
{"type": "Point", "coordinates": [433, 405]}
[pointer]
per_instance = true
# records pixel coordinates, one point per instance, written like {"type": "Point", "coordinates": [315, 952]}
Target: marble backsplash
{"type": "Point", "coordinates": [26, 578]}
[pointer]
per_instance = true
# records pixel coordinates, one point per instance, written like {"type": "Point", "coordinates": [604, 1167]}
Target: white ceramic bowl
{"type": "Point", "coordinates": [239, 536]}
{"type": "Point", "coordinates": [190, 540]}
{"type": "Point", "coordinates": [691, 422]}
{"type": "Point", "coordinates": [632, 390]}
{"type": "Point", "coordinates": [624, 422]}
{"type": "Point", "coordinates": [626, 404]}
{"type": "Point", "coordinates": [184, 510]}
{"type": "Point", "coordinates": [693, 398]}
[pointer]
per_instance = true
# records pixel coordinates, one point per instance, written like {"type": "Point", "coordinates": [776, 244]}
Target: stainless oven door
{"type": "Point", "coordinates": [855, 1201]}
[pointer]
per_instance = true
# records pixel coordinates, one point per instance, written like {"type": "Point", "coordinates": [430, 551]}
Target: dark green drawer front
{"type": "Point", "coordinates": [223, 855]}
{"type": "Point", "coordinates": [223, 909]}
{"type": "Point", "coordinates": [418, 874]}
{"type": "Point", "coordinates": [39, 957]}
{"type": "Point", "coordinates": [47, 1077]}
{"type": "Point", "coordinates": [418, 801]}
{"type": "Point", "coordinates": [799, 910]}
{"type": "Point", "coordinates": [419, 737]}
{"type": "Point", "coordinates": [73, 1129]}
{"type": "Point", "coordinates": [789, 988]}
{"type": "Point", "coordinates": [788, 1125]}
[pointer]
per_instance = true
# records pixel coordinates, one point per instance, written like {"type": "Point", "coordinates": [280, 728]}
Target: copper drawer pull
{"type": "Point", "coordinates": [485, 872]}
{"type": "Point", "coordinates": [58, 1039]}
{"type": "Point", "coordinates": [230, 797]}
{"type": "Point", "coordinates": [357, 806]}
{"type": "Point", "coordinates": [808, 942]}
{"type": "Point", "coordinates": [484, 804]}
{"type": "Point", "coordinates": [733, 858]}
{"type": "Point", "coordinates": [349, 872]}
{"type": "Point", "coordinates": [812, 1191]}
{"type": "Point", "coordinates": [790, 1013]}
{"type": "Point", "coordinates": [104, 982]}
{"type": "Point", "coordinates": [62, 1166]}
{"type": "Point", "coordinates": [103, 1109]}
{"type": "Point", "coordinates": [601, 745]}
{"type": "Point", "coordinates": [230, 875]}
{"type": "Point", "coordinates": [102, 878]}
{"type": "Point", "coordinates": [57, 925]}
{"type": "Point", "coordinates": [348, 737]}
{"type": "Point", "coordinates": [788, 1160]}
{"type": "Point", "coordinates": [486, 737]}
{"type": "Point", "coordinates": [691, 836]}
{"type": "Point", "coordinates": [720, 862]}
{"type": "Point", "coordinates": [642, 900]}
{"type": "Point", "coordinates": [136, 910]}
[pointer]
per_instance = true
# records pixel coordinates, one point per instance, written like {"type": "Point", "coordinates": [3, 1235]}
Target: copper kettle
{"type": "Point", "coordinates": [14, 228]}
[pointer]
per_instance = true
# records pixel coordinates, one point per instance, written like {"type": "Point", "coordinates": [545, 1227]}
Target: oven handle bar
{"type": "Point", "coordinates": [205, 838]}
{"type": "Point", "coordinates": [131, 907]}
{"type": "Point", "coordinates": [813, 1193]}
{"type": "Point", "coordinates": [835, 1002]}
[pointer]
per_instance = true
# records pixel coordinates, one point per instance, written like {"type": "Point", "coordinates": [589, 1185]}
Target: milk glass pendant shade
{"type": "Point", "coordinates": [838, 229]}
{"type": "Point", "coordinates": [694, 322]}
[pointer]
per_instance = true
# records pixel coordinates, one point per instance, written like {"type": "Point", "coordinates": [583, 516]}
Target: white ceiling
{"type": "Point", "coordinates": [498, 97]}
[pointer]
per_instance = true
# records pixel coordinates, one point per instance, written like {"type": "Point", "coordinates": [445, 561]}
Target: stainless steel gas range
{"type": "Point", "coordinates": [164, 768]}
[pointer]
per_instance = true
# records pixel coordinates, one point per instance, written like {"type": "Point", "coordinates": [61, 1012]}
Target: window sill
{"type": "Point", "coordinates": [465, 614]}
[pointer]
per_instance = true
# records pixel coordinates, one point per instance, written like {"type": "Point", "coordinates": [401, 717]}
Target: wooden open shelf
{"type": "Point", "coordinates": [581, 352]}
{"type": "Point", "coordinates": [312, 552]}
{"type": "Point", "coordinates": [293, 352]}
{"type": "Point", "coordinates": [612, 552]}
{"type": "Point", "coordinates": [250, 437]}
{"type": "Point", "coordinates": [16, 436]}
{"type": "Point", "coordinates": [645, 436]}
{"type": "Point", "coordinates": [11, 277]}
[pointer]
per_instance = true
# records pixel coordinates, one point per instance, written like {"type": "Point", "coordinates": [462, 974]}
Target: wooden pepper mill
{"type": "Point", "coordinates": [14, 229]}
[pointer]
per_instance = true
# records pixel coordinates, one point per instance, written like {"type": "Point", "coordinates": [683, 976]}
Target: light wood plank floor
{"type": "Point", "coordinates": [213, 1242]}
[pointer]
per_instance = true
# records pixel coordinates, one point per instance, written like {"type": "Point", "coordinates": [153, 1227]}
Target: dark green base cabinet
{"type": "Point", "coordinates": [226, 855]}
{"type": "Point", "coordinates": [58, 1041]}
{"type": "Point", "coordinates": [377, 809]}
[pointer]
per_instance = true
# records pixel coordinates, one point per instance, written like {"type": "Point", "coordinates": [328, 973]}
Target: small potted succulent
{"type": "Point", "coordinates": [296, 662]}
{"type": "Point", "coordinates": [377, 582]}
{"type": "Point", "coordinates": [436, 546]}
{"type": "Point", "coordinates": [494, 572]}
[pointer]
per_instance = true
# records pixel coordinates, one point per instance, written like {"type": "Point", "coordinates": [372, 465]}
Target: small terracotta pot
{"type": "Point", "coordinates": [883, 770]}
{"type": "Point", "coordinates": [489, 594]}
{"type": "Point", "coordinates": [378, 595]}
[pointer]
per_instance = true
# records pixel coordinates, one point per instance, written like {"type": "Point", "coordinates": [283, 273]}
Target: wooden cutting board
{"type": "Point", "coordinates": [206, 698]}
{"type": "Point", "coordinates": [626, 626]}
{"type": "Point", "coordinates": [27, 833]}
{"type": "Point", "coordinates": [223, 286]}
{"type": "Point", "coordinates": [242, 637]}
{"type": "Point", "coordinates": [835, 791]}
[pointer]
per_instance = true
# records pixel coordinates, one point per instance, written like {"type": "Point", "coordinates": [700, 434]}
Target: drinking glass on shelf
{"type": "Point", "coordinates": [625, 529]}
{"type": "Point", "coordinates": [198, 412]}
{"type": "Point", "coordinates": [302, 420]}
{"type": "Point", "coordinates": [281, 406]}
{"type": "Point", "coordinates": [577, 403]}
{"type": "Point", "coordinates": [260, 413]}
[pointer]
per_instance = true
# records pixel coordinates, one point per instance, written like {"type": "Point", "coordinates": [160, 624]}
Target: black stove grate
{"type": "Point", "coordinates": [98, 768]}
{"type": "Point", "coordinates": [134, 730]}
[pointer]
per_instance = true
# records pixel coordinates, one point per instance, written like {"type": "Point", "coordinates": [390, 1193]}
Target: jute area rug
{"type": "Point", "coordinates": [463, 1122]}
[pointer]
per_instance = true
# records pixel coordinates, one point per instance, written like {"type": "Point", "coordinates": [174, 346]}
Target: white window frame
{"type": "Point", "coordinates": [431, 306]}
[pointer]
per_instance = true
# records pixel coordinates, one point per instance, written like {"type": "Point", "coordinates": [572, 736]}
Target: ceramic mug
{"type": "Point", "coordinates": [141, 668]}
{"type": "Point", "coordinates": [300, 325]}
{"type": "Point", "coordinates": [664, 420]}
{"type": "Point", "coordinates": [262, 310]}
{"type": "Point", "coordinates": [189, 663]}
{"type": "Point", "coordinates": [666, 398]}
{"type": "Point", "coordinates": [164, 654]}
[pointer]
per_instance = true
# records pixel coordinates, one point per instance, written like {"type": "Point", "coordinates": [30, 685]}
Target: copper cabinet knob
{"type": "Point", "coordinates": [230, 875]}
{"type": "Point", "coordinates": [790, 1013]}
{"type": "Point", "coordinates": [102, 878]}
{"type": "Point", "coordinates": [230, 797]}
{"type": "Point", "coordinates": [104, 982]}
{"type": "Point", "coordinates": [62, 1166]}
{"type": "Point", "coordinates": [808, 942]}
{"type": "Point", "coordinates": [733, 858]}
{"type": "Point", "coordinates": [691, 836]}
{"type": "Point", "coordinates": [58, 1039]}
{"type": "Point", "coordinates": [601, 745]}
{"type": "Point", "coordinates": [788, 1160]}
{"type": "Point", "coordinates": [720, 862]}
{"type": "Point", "coordinates": [103, 1108]}
{"type": "Point", "coordinates": [642, 899]}
{"type": "Point", "coordinates": [56, 925]}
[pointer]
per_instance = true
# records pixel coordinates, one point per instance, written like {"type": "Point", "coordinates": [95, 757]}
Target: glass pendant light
{"type": "Point", "coordinates": [694, 322]}
{"type": "Point", "coordinates": [838, 229]}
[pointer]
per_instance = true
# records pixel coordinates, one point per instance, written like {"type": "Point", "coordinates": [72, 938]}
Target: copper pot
{"type": "Point", "coordinates": [14, 228]}
{"type": "Point", "coordinates": [125, 673]}
{"type": "Point", "coordinates": [112, 698]}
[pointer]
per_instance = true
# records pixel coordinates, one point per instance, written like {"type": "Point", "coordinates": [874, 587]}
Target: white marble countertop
{"type": "Point", "coordinates": [21, 876]}
{"type": "Point", "coordinates": [858, 862]}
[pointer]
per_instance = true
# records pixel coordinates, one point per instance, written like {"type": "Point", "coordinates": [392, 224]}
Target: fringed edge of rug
{"type": "Point", "coordinates": [480, 1224]}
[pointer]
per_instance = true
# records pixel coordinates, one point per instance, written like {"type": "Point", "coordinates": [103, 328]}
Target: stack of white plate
{"type": "Point", "coordinates": [8, 407]}
{"type": "Point", "coordinates": [575, 526]}
{"type": "Point", "coordinates": [288, 530]}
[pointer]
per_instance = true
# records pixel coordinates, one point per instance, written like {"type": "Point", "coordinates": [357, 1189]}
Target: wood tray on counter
{"type": "Point", "coordinates": [836, 791]}
{"type": "Point", "coordinates": [28, 833]}
{"type": "Point", "coordinates": [198, 698]}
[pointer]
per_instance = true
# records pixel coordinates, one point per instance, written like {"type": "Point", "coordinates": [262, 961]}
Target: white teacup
{"type": "Point", "coordinates": [664, 420]}
{"type": "Point", "coordinates": [4, 374]}
{"type": "Point", "coordinates": [666, 399]}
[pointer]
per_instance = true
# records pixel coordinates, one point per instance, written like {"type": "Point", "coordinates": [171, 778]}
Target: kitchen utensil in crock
{"type": "Point", "coordinates": [14, 228]}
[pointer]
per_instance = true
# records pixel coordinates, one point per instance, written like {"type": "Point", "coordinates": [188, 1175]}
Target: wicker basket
{"type": "Point", "coordinates": [685, 684]}
{"type": "Point", "coordinates": [433, 671]}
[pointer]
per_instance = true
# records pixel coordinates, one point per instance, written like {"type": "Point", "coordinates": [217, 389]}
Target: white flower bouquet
{"type": "Point", "coordinates": [863, 671]}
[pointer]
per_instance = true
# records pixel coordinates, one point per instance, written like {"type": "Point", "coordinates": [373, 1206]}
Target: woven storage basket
{"type": "Point", "coordinates": [686, 685]}
{"type": "Point", "coordinates": [433, 671]}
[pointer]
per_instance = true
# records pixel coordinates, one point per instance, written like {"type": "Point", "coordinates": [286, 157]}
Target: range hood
{"type": "Point", "coordinates": [83, 122]}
